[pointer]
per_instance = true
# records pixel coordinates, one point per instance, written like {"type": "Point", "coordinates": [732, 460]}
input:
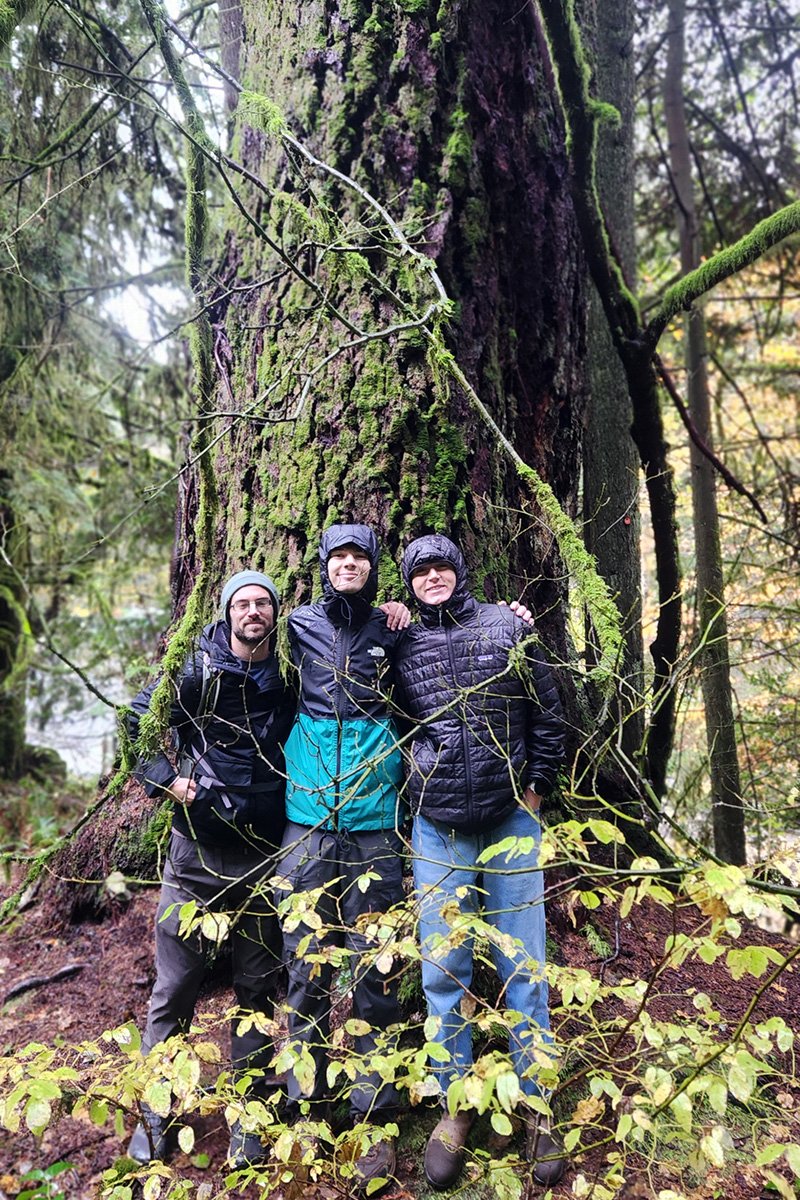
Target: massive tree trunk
{"type": "Point", "coordinates": [446, 116]}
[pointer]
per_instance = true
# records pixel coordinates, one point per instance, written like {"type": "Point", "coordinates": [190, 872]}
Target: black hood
{"type": "Point", "coordinates": [435, 547]}
{"type": "Point", "coordinates": [357, 608]}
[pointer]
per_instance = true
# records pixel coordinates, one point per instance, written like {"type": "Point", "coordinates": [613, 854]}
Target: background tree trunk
{"type": "Point", "coordinates": [726, 798]}
{"type": "Point", "coordinates": [611, 470]}
{"type": "Point", "coordinates": [12, 671]}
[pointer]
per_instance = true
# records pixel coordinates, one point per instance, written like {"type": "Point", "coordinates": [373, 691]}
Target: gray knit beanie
{"type": "Point", "coordinates": [244, 579]}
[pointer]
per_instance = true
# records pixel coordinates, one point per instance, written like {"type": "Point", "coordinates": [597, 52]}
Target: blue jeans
{"type": "Point", "coordinates": [511, 895]}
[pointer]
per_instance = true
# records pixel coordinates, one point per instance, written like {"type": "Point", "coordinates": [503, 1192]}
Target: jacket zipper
{"type": "Point", "coordinates": [463, 727]}
{"type": "Point", "coordinates": [340, 655]}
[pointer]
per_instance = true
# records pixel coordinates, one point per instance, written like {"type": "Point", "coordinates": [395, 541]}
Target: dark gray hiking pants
{"type": "Point", "coordinates": [219, 880]}
{"type": "Point", "coordinates": [312, 859]}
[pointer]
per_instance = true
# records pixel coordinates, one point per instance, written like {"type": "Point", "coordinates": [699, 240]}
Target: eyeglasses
{"type": "Point", "coordinates": [243, 606]}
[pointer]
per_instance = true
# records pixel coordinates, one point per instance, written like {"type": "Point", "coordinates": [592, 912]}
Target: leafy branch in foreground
{"type": "Point", "coordinates": [641, 1071]}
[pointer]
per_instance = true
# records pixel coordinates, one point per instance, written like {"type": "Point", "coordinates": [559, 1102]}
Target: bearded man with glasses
{"type": "Point", "coordinates": [230, 717]}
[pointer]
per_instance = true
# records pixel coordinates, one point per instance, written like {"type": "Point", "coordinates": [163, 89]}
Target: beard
{"type": "Point", "coordinates": [259, 634]}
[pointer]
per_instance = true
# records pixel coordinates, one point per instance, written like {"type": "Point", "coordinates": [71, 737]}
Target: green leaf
{"type": "Point", "coordinates": [605, 832]}
{"type": "Point", "coordinates": [437, 1052]}
{"type": "Point", "coordinates": [740, 1082]}
{"type": "Point", "coordinates": [508, 1090]}
{"type": "Point", "coordinates": [128, 1037]}
{"type": "Point", "coordinates": [186, 1139]}
{"type": "Point", "coordinates": [158, 1096]}
{"type": "Point", "coordinates": [712, 1149]}
{"type": "Point", "coordinates": [571, 1139]}
{"type": "Point", "coordinates": [152, 1187]}
{"type": "Point", "coordinates": [503, 847]}
{"type": "Point", "coordinates": [718, 1095]}
{"type": "Point", "coordinates": [501, 1124]}
{"type": "Point", "coordinates": [681, 1108]}
{"type": "Point", "coordinates": [785, 1039]}
{"type": "Point", "coordinates": [792, 1153]}
{"type": "Point", "coordinates": [768, 1154]}
{"type": "Point", "coordinates": [37, 1115]}
{"type": "Point", "coordinates": [709, 951]}
{"type": "Point", "coordinates": [747, 959]}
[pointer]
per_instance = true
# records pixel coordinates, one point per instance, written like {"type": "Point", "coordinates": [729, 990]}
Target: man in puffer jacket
{"type": "Point", "coordinates": [231, 715]}
{"type": "Point", "coordinates": [343, 815]}
{"type": "Point", "coordinates": [487, 749]}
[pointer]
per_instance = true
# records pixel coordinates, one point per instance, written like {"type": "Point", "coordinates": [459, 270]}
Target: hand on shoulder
{"type": "Point", "coordinates": [519, 609]}
{"type": "Point", "coordinates": [397, 615]}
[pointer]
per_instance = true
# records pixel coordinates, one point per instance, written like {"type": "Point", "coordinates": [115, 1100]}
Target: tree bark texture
{"type": "Point", "coordinates": [726, 798]}
{"type": "Point", "coordinates": [611, 469]}
{"type": "Point", "coordinates": [636, 355]}
{"type": "Point", "coordinates": [12, 667]}
{"type": "Point", "coordinates": [446, 115]}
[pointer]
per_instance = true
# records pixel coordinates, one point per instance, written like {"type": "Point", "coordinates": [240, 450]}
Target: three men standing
{"type": "Point", "coordinates": [487, 744]}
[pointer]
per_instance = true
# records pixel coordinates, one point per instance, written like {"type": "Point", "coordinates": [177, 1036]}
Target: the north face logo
{"type": "Point", "coordinates": [376, 652]}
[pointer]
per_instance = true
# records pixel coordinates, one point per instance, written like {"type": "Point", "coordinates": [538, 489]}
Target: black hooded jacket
{"type": "Point", "coordinates": [488, 709]}
{"type": "Point", "coordinates": [341, 643]}
{"type": "Point", "coordinates": [342, 761]}
{"type": "Point", "coordinates": [230, 721]}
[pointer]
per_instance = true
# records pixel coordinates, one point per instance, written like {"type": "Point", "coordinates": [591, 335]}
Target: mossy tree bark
{"type": "Point", "coordinates": [12, 630]}
{"type": "Point", "coordinates": [611, 468]}
{"type": "Point", "coordinates": [445, 113]}
{"type": "Point", "coordinates": [328, 403]}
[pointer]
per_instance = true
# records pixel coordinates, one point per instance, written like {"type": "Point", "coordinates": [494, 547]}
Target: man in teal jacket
{"type": "Point", "coordinates": [343, 814]}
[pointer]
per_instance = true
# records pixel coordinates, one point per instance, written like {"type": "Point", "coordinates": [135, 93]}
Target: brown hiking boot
{"type": "Point", "coordinates": [544, 1151]}
{"type": "Point", "coordinates": [444, 1154]}
{"type": "Point", "coordinates": [376, 1163]}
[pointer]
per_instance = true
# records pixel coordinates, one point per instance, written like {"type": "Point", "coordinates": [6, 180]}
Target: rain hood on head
{"type": "Point", "coordinates": [349, 608]}
{"type": "Point", "coordinates": [434, 547]}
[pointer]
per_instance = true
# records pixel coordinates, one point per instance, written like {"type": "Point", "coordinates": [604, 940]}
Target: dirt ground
{"type": "Point", "coordinates": [112, 986]}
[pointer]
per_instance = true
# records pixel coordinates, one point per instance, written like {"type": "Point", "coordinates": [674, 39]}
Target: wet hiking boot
{"type": "Point", "coordinates": [544, 1151]}
{"type": "Point", "coordinates": [444, 1154]}
{"type": "Point", "coordinates": [376, 1163]}
{"type": "Point", "coordinates": [149, 1141]}
{"type": "Point", "coordinates": [246, 1148]}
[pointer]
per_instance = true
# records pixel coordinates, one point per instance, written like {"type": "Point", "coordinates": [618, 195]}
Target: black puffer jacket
{"type": "Point", "coordinates": [490, 714]}
{"type": "Point", "coordinates": [230, 722]}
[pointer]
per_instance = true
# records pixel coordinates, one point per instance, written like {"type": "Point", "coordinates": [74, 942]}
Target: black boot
{"type": "Point", "coordinates": [544, 1151]}
{"type": "Point", "coordinates": [246, 1148]}
{"type": "Point", "coordinates": [149, 1141]}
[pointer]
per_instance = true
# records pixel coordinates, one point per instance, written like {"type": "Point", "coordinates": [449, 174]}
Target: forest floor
{"type": "Point", "coordinates": [112, 986]}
